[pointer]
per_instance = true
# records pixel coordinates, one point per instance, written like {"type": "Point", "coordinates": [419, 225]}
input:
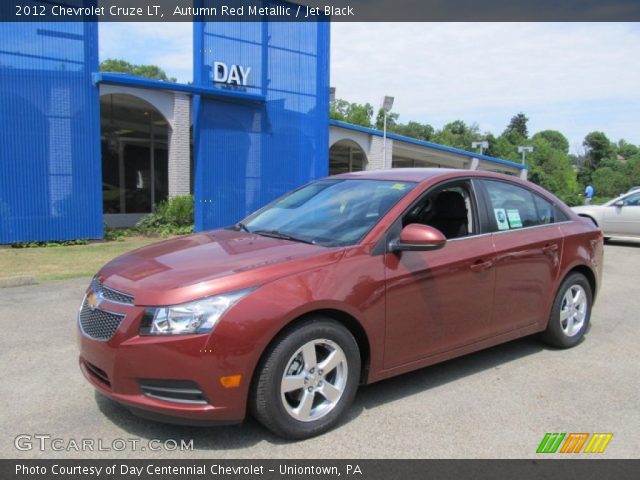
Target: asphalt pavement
{"type": "Point", "coordinates": [497, 403]}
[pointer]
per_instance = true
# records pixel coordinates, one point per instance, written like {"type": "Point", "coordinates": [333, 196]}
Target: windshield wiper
{"type": "Point", "coordinates": [282, 235]}
{"type": "Point", "coordinates": [242, 226]}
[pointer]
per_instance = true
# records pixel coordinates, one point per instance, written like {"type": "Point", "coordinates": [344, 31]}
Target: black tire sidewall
{"type": "Point", "coordinates": [266, 402]}
{"type": "Point", "coordinates": [554, 334]}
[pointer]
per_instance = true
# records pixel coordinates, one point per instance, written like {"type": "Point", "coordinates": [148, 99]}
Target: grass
{"type": "Point", "coordinates": [57, 263]}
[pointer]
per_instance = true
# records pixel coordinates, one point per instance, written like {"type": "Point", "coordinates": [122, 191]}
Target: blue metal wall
{"type": "Point", "coordinates": [50, 174]}
{"type": "Point", "coordinates": [249, 153]}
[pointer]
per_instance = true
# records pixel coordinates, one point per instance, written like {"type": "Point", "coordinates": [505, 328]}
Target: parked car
{"type": "Point", "coordinates": [348, 280]}
{"type": "Point", "coordinates": [619, 217]}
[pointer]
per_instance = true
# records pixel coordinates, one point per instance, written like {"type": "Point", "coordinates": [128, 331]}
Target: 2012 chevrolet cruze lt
{"type": "Point", "coordinates": [348, 280]}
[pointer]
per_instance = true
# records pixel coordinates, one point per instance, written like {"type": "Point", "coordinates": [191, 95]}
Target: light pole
{"type": "Point", "coordinates": [387, 103]}
{"type": "Point", "coordinates": [483, 145]}
{"type": "Point", "coordinates": [523, 150]}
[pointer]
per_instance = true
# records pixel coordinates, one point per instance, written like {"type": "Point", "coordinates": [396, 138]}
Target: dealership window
{"type": "Point", "coordinates": [346, 156]}
{"type": "Point", "coordinates": [134, 140]}
{"type": "Point", "coordinates": [401, 162]}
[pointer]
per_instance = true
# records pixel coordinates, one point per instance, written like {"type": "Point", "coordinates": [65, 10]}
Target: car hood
{"type": "Point", "coordinates": [195, 266]}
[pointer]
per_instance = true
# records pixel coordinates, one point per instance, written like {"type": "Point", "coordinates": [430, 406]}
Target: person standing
{"type": "Point", "coordinates": [589, 192]}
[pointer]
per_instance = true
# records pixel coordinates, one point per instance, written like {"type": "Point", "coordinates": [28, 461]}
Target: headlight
{"type": "Point", "coordinates": [200, 316]}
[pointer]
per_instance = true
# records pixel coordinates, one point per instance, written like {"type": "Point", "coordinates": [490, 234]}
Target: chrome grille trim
{"type": "Point", "coordinates": [110, 294]}
{"type": "Point", "coordinates": [98, 324]}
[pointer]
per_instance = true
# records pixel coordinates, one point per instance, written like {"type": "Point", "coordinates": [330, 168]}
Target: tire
{"type": "Point", "coordinates": [323, 394]}
{"type": "Point", "coordinates": [570, 313]}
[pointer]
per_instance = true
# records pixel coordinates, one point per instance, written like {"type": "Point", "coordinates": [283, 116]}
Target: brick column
{"type": "Point", "coordinates": [375, 155]}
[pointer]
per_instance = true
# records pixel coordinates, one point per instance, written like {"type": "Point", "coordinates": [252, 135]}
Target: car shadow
{"type": "Point", "coordinates": [368, 397]}
{"type": "Point", "coordinates": [228, 437]}
{"type": "Point", "coordinates": [623, 242]}
{"type": "Point", "coordinates": [371, 396]}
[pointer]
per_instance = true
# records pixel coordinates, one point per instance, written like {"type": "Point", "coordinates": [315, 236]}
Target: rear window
{"type": "Point", "coordinates": [512, 207]}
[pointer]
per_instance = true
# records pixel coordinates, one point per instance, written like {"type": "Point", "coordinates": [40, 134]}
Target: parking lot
{"type": "Point", "coordinates": [498, 403]}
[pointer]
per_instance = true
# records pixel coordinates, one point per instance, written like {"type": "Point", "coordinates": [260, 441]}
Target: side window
{"type": "Point", "coordinates": [632, 200]}
{"type": "Point", "coordinates": [512, 207]}
{"type": "Point", "coordinates": [546, 210]}
{"type": "Point", "coordinates": [449, 209]}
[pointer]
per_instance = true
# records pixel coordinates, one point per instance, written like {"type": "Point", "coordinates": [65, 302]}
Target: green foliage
{"type": "Point", "coordinates": [354, 113]}
{"type": "Point", "coordinates": [518, 126]}
{"type": "Point", "coordinates": [550, 167]}
{"type": "Point", "coordinates": [626, 150]}
{"type": "Point", "coordinates": [420, 131]}
{"type": "Point", "coordinates": [598, 148]}
{"type": "Point", "coordinates": [458, 134]}
{"type": "Point", "coordinates": [556, 139]}
{"type": "Point", "coordinates": [118, 234]}
{"type": "Point", "coordinates": [63, 243]}
{"type": "Point", "coordinates": [147, 71]}
{"type": "Point", "coordinates": [172, 217]}
{"type": "Point", "coordinates": [391, 120]}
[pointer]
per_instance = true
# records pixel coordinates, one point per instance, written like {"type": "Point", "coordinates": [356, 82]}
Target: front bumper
{"type": "Point", "coordinates": [120, 367]}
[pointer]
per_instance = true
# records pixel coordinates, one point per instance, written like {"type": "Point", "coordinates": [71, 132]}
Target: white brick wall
{"type": "Point", "coordinates": [375, 155]}
{"type": "Point", "coordinates": [179, 161]}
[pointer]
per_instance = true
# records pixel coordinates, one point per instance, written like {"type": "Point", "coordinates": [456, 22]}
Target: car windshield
{"type": "Point", "coordinates": [332, 212]}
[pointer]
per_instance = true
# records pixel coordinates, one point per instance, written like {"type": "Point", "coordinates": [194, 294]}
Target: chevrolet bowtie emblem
{"type": "Point", "coordinates": [93, 300]}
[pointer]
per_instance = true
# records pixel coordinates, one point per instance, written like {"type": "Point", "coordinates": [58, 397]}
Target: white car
{"type": "Point", "coordinates": [619, 217]}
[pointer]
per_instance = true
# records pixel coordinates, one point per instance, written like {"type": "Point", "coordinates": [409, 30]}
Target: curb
{"type": "Point", "coordinates": [17, 281]}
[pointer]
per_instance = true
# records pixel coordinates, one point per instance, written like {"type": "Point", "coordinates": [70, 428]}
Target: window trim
{"type": "Point", "coordinates": [482, 181]}
{"type": "Point", "coordinates": [478, 215]}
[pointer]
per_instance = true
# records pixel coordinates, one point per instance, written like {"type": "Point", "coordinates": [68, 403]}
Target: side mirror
{"type": "Point", "coordinates": [418, 238]}
{"type": "Point", "coordinates": [619, 203]}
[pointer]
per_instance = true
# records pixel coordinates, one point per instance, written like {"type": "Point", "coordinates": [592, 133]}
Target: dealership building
{"type": "Point", "coordinates": [81, 148]}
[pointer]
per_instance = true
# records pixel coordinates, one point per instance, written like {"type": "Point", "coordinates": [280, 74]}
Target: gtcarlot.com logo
{"type": "Point", "coordinates": [574, 442]}
{"type": "Point", "coordinates": [44, 443]}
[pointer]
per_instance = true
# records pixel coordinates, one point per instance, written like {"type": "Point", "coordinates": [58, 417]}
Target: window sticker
{"type": "Point", "coordinates": [513, 215]}
{"type": "Point", "coordinates": [398, 186]}
{"type": "Point", "coordinates": [501, 218]}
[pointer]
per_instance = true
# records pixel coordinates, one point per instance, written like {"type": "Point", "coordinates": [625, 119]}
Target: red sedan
{"type": "Point", "coordinates": [346, 281]}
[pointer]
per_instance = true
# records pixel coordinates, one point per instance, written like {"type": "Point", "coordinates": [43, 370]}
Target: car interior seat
{"type": "Point", "coordinates": [450, 214]}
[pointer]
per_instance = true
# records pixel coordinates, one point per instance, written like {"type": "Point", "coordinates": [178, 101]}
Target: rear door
{"type": "Point", "coordinates": [528, 245]}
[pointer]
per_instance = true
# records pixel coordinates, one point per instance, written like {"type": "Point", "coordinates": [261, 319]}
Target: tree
{"type": "Point", "coordinates": [518, 125]}
{"type": "Point", "coordinates": [557, 140]}
{"type": "Point", "coordinates": [355, 113]}
{"type": "Point", "coordinates": [550, 167]}
{"type": "Point", "coordinates": [391, 120]}
{"type": "Point", "coordinates": [598, 147]}
{"type": "Point", "coordinates": [147, 71]}
{"type": "Point", "coordinates": [458, 134]}
{"type": "Point", "coordinates": [626, 150]}
{"type": "Point", "coordinates": [421, 131]}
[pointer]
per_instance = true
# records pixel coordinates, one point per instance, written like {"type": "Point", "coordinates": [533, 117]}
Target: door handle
{"type": "Point", "coordinates": [481, 266]}
{"type": "Point", "coordinates": [549, 249]}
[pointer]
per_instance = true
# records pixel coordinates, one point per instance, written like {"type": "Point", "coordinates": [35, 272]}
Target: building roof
{"type": "Point", "coordinates": [434, 146]}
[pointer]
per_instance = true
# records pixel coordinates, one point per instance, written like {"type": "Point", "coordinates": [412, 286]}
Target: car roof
{"type": "Point", "coordinates": [421, 174]}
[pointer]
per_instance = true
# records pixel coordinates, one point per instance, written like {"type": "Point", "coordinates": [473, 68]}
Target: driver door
{"type": "Point", "coordinates": [442, 299]}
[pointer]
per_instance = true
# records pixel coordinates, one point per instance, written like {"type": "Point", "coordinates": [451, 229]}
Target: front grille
{"type": "Point", "coordinates": [97, 323]}
{"type": "Point", "coordinates": [110, 294]}
{"type": "Point", "coordinates": [97, 373]}
{"type": "Point", "coordinates": [177, 391]}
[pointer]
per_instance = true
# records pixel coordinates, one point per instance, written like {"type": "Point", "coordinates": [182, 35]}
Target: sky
{"type": "Point", "coordinates": [571, 77]}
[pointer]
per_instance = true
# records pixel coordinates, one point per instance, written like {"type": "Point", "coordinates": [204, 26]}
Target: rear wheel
{"type": "Point", "coordinates": [570, 313]}
{"type": "Point", "coordinates": [307, 380]}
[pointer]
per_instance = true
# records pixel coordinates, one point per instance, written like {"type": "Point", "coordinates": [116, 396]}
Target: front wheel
{"type": "Point", "coordinates": [570, 313]}
{"type": "Point", "coordinates": [307, 379]}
